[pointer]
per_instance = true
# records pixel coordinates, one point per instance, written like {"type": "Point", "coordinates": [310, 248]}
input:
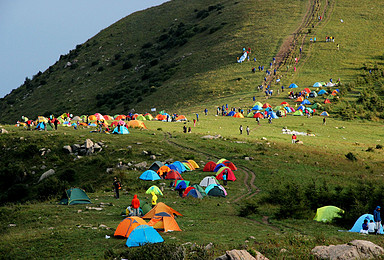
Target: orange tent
{"type": "Point", "coordinates": [238, 115]}
{"type": "Point", "coordinates": [120, 117]}
{"type": "Point", "coordinates": [161, 117]}
{"type": "Point", "coordinates": [107, 117]}
{"type": "Point", "coordinates": [136, 124]}
{"type": "Point", "coordinates": [92, 118]}
{"type": "Point", "coordinates": [299, 99]}
{"type": "Point", "coordinates": [327, 101]}
{"type": "Point", "coordinates": [334, 93]}
{"type": "Point", "coordinates": [160, 207]}
{"type": "Point", "coordinates": [307, 90]}
{"type": "Point", "coordinates": [127, 225]}
{"type": "Point", "coordinates": [163, 169]}
{"type": "Point", "coordinates": [181, 118]}
{"type": "Point", "coordinates": [164, 221]}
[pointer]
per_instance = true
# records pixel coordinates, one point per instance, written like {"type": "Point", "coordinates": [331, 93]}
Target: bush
{"type": "Point", "coordinates": [379, 146]}
{"type": "Point", "coordinates": [127, 65]}
{"type": "Point", "coordinates": [351, 156]}
{"type": "Point", "coordinates": [249, 208]}
{"type": "Point", "coordinates": [94, 63]}
{"type": "Point", "coordinates": [101, 68]}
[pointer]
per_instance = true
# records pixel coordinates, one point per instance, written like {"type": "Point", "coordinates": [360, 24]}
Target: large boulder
{"type": "Point", "coordinates": [356, 249]}
{"type": "Point", "coordinates": [241, 255]}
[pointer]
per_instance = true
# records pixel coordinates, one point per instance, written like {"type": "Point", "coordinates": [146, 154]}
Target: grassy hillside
{"type": "Point", "coordinates": [186, 56]}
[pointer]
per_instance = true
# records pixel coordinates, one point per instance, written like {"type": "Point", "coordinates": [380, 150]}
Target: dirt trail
{"type": "Point", "coordinates": [288, 50]}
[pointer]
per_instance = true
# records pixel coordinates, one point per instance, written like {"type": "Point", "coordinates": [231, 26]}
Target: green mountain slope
{"type": "Point", "coordinates": [177, 54]}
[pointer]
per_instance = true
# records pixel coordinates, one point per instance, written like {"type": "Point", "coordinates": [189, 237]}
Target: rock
{"type": "Point", "coordinates": [142, 165]}
{"type": "Point", "coordinates": [247, 158]}
{"type": "Point", "coordinates": [152, 157]}
{"type": "Point", "coordinates": [241, 255]}
{"type": "Point", "coordinates": [3, 131]}
{"type": "Point", "coordinates": [75, 147]}
{"type": "Point", "coordinates": [356, 249]}
{"type": "Point", "coordinates": [88, 143]}
{"type": "Point", "coordinates": [21, 138]}
{"type": "Point", "coordinates": [12, 225]}
{"type": "Point", "coordinates": [129, 147]}
{"type": "Point", "coordinates": [211, 136]}
{"type": "Point", "coordinates": [82, 152]}
{"type": "Point", "coordinates": [109, 170]}
{"type": "Point", "coordinates": [47, 174]}
{"type": "Point", "coordinates": [144, 153]}
{"type": "Point", "coordinates": [43, 167]}
{"type": "Point", "coordinates": [67, 149]}
{"type": "Point", "coordinates": [283, 250]}
{"type": "Point", "coordinates": [97, 148]}
{"type": "Point", "coordinates": [102, 226]}
{"type": "Point", "coordinates": [94, 208]}
{"type": "Point", "coordinates": [264, 138]}
{"type": "Point", "coordinates": [252, 237]}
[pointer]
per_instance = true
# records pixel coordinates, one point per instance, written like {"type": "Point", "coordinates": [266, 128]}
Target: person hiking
{"type": "Point", "coordinates": [247, 129]}
{"type": "Point", "coordinates": [154, 199]}
{"type": "Point", "coordinates": [135, 203]}
{"type": "Point", "coordinates": [377, 219]}
{"type": "Point", "coordinates": [241, 129]}
{"type": "Point", "coordinates": [116, 186]}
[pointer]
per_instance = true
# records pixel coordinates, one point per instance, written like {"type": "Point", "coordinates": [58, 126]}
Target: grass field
{"type": "Point", "coordinates": [46, 229]}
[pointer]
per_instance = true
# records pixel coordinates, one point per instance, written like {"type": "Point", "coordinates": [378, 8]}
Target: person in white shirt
{"type": "Point", "coordinates": [371, 227]}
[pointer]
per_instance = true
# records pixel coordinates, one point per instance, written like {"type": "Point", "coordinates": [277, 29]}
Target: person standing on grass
{"type": "Point", "coordinates": [294, 137]}
{"type": "Point", "coordinates": [116, 186]}
{"type": "Point", "coordinates": [225, 178]}
{"type": "Point", "coordinates": [324, 121]}
{"type": "Point", "coordinates": [197, 117]}
{"type": "Point", "coordinates": [206, 111]}
{"type": "Point", "coordinates": [377, 219]}
{"type": "Point", "coordinates": [247, 129]}
{"type": "Point", "coordinates": [241, 129]}
{"type": "Point", "coordinates": [135, 203]}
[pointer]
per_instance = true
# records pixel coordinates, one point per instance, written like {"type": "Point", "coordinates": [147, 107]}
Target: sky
{"type": "Point", "coordinates": [33, 34]}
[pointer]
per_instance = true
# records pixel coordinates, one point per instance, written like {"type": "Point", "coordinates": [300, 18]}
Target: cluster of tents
{"type": "Point", "coordinates": [327, 214]}
{"type": "Point", "coordinates": [138, 232]}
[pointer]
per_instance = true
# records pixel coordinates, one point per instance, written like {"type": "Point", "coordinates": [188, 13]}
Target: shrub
{"type": "Point", "coordinates": [249, 208]}
{"type": "Point", "coordinates": [101, 68]}
{"type": "Point", "coordinates": [147, 45]}
{"type": "Point", "coordinates": [94, 63]}
{"type": "Point", "coordinates": [379, 146]}
{"type": "Point", "coordinates": [351, 156]}
{"type": "Point", "coordinates": [127, 65]}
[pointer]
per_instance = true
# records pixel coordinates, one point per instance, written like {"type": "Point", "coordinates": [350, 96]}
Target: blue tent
{"type": "Point", "coordinates": [195, 193]}
{"type": "Point", "coordinates": [293, 85]}
{"type": "Point", "coordinates": [180, 166]}
{"type": "Point", "coordinates": [149, 175]}
{"type": "Point", "coordinates": [231, 113]}
{"type": "Point", "coordinates": [142, 235]}
{"type": "Point", "coordinates": [181, 185]}
{"type": "Point", "coordinates": [317, 85]}
{"type": "Point", "coordinates": [301, 107]}
{"type": "Point", "coordinates": [324, 113]}
{"type": "Point", "coordinates": [359, 222]}
{"type": "Point", "coordinates": [289, 109]}
{"type": "Point", "coordinates": [273, 115]}
{"type": "Point", "coordinates": [305, 102]}
{"type": "Point", "coordinates": [257, 107]}
{"type": "Point", "coordinates": [321, 92]}
{"type": "Point", "coordinates": [122, 130]}
{"type": "Point", "coordinates": [40, 126]}
{"type": "Point", "coordinates": [219, 166]}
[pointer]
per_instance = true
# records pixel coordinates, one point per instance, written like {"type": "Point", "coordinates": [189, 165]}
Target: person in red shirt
{"type": "Point", "coordinates": [135, 203]}
{"type": "Point", "coordinates": [294, 138]}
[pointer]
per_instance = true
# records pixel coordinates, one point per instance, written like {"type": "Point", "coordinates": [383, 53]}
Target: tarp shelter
{"type": "Point", "coordinates": [359, 222]}
{"type": "Point", "coordinates": [77, 196]}
{"type": "Point", "coordinates": [149, 175]}
{"type": "Point", "coordinates": [142, 235]}
{"type": "Point", "coordinates": [126, 226]}
{"type": "Point", "coordinates": [136, 124]}
{"type": "Point", "coordinates": [215, 190]}
{"type": "Point", "coordinates": [208, 181]}
{"type": "Point", "coordinates": [173, 175]}
{"type": "Point", "coordinates": [155, 190]}
{"type": "Point", "coordinates": [327, 213]}
{"type": "Point", "coordinates": [120, 130]}
{"type": "Point", "coordinates": [164, 221]}
{"type": "Point", "coordinates": [160, 207]}
{"type": "Point", "coordinates": [209, 167]}
{"type": "Point", "coordinates": [317, 85]}
{"type": "Point", "coordinates": [156, 166]}
{"type": "Point", "coordinates": [293, 85]}
{"type": "Point", "coordinates": [230, 174]}
{"type": "Point", "coordinates": [324, 113]}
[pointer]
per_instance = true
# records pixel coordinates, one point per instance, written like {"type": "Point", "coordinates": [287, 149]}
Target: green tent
{"type": "Point", "coordinates": [77, 196]}
{"type": "Point", "coordinates": [200, 189]}
{"type": "Point", "coordinates": [298, 113]}
{"type": "Point", "coordinates": [327, 213]}
{"type": "Point", "coordinates": [145, 207]}
{"type": "Point", "coordinates": [141, 118]}
{"type": "Point", "coordinates": [250, 114]}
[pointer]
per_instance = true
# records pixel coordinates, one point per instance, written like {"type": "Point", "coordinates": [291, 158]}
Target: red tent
{"type": "Point", "coordinates": [173, 175]}
{"type": "Point", "coordinates": [230, 174]}
{"type": "Point", "coordinates": [187, 190]}
{"type": "Point", "coordinates": [209, 167]}
{"type": "Point", "coordinates": [230, 165]}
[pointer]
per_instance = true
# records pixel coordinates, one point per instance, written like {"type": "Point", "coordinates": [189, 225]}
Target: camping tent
{"type": "Point", "coordinates": [306, 102]}
{"type": "Point", "coordinates": [194, 164]}
{"type": "Point", "coordinates": [160, 207]}
{"type": "Point", "coordinates": [163, 169]}
{"type": "Point", "coordinates": [231, 113]}
{"type": "Point", "coordinates": [230, 174]}
{"type": "Point", "coordinates": [298, 113]}
{"type": "Point", "coordinates": [181, 118]}
{"type": "Point", "coordinates": [194, 193]}
{"type": "Point", "coordinates": [155, 166]}
{"type": "Point", "coordinates": [164, 221]}
{"type": "Point", "coordinates": [209, 167]}
{"type": "Point", "coordinates": [141, 118]}
{"type": "Point", "coordinates": [155, 190]}
{"type": "Point", "coordinates": [149, 175]}
{"type": "Point", "coordinates": [324, 113]}
{"type": "Point", "coordinates": [126, 226]}
{"type": "Point", "coordinates": [359, 222]}
{"type": "Point", "coordinates": [257, 107]}
{"type": "Point", "coordinates": [181, 184]}
{"type": "Point", "coordinates": [215, 190]}
{"type": "Point", "coordinates": [77, 196]}
{"type": "Point", "coordinates": [230, 165]}
{"type": "Point", "coordinates": [136, 124]}
{"type": "Point", "coordinates": [321, 92]}
{"type": "Point", "coordinates": [238, 115]}
{"type": "Point", "coordinates": [142, 235]}
{"type": "Point", "coordinates": [148, 116]}
{"type": "Point", "coordinates": [218, 166]}
{"type": "Point", "coordinates": [313, 94]}
{"type": "Point", "coordinates": [173, 175]}
{"type": "Point", "coordinates": [208, 181]}
{"type": "Point", "coordinates": [120, 130]}
{"type": "Point", "coordinates": [317, 85]}
{"type": "Point", "coordinates": [327, 101]}
{"type": "Point", "coordinates": [200, 189]}
{"type": "Point", "coordinates": [327, 213]}
{"type": "Point", "coordinates": [258, 115]}
{"type": "Point", "coordinates": [293, 85]}
{"type": "Point", "coordinates": [178, 166]}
